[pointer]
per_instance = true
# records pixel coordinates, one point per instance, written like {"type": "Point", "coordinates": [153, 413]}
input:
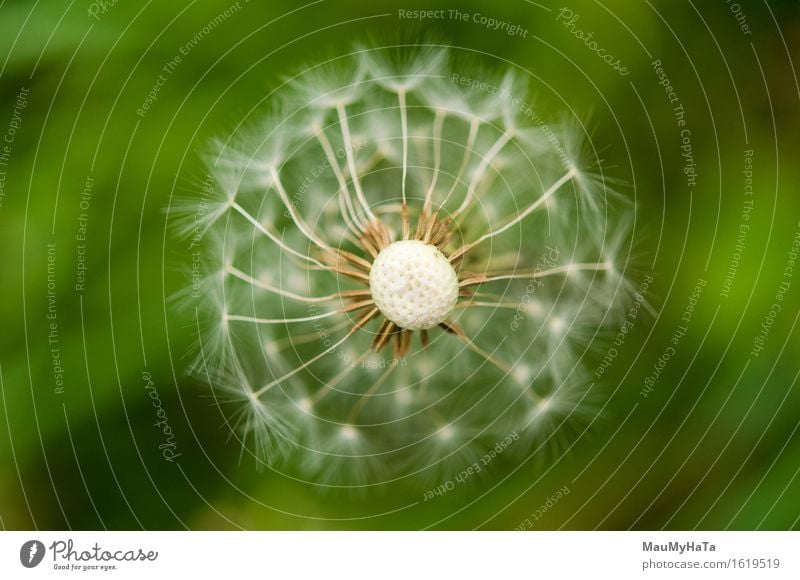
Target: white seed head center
{"type": "Point", "coordinates": [413, 284]}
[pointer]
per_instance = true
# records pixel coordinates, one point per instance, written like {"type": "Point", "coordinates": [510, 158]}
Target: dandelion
{"type": "Point", "coordinates": [402, 269]}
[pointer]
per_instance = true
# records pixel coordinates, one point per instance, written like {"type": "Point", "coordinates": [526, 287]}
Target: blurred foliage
{"type": "Point", "coordinates": [714, 445]}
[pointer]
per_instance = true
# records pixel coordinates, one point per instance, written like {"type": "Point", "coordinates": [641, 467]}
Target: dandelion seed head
{"type": "Point", "coordinates": [390, 242]}
{"type": "Point", "coordinates": [413, 285]}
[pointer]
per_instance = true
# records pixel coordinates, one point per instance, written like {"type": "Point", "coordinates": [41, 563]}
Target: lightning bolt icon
{"type": "Point", "coordinates": [34, 550]}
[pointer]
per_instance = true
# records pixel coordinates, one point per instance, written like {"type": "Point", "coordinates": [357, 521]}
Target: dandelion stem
{"type": "Point", "coordinates": [521, 216]}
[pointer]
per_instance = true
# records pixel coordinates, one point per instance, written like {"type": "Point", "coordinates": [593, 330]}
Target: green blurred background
{"type": "Point", "coordinates": [714, 445]}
